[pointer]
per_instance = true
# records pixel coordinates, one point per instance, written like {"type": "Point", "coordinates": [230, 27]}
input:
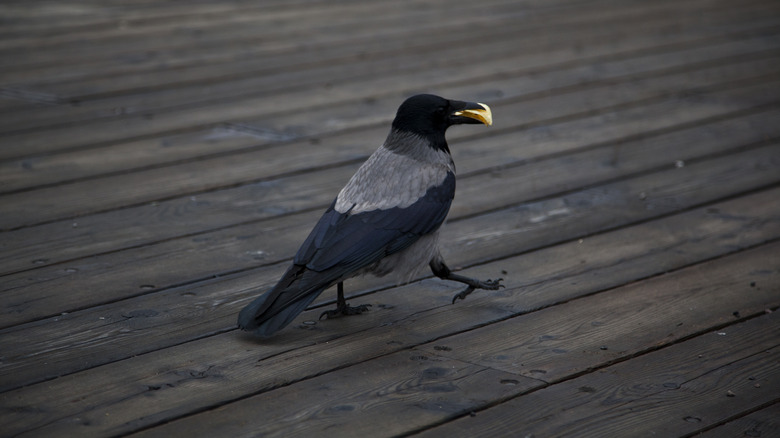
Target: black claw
{"type": "Point", "coordinates": [463, 294]}
{"type": "Point", "coordinates": [345, 311]}
{"type": "Point", "coordinates": [488, 284]}
{"type": "Point", "coordinates": [493, 284]}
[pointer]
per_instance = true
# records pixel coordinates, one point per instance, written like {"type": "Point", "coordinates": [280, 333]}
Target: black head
{"type": "Point", "coordinates": [429, 117]}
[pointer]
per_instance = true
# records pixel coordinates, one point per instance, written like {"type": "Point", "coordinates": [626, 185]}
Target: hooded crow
{"type": "Point", "coordinates": [386, 219]}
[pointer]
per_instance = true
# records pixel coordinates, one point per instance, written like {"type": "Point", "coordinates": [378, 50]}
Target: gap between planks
{"type": "Point", "coordinates": [501, 300]}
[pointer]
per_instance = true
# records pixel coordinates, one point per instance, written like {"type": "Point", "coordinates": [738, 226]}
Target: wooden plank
{"type": "Point", "coordinates": [434, 27]}
{"type": "Point", "coordinates": [262, 28]}
{"type": "Point", "coordinates": [646, 314]}
{"type": "Point", "coordinates": [142, 125]}
{"type": "Point", "coordinates": [179, 261]}
{"type": "Point", "coordinates": [760, 423]}
{"type": "Point", "coordinates": [629, 232]}
{"type": "Point", "coordinates": [420, 389]}
{"type": "Point", "coordinates": [542, 109]}
{"type": "Point", "coordinates": [219, 368]}
{"type": "Point", "coordinates": [206, 62]}
{"type": "Point", "coordinates": [53, 19]}
{"type": "Point", "coordinates": [570, 328]}
{"type": "Point", "coordinates": [238, 110]}
{"type": "Point", "coordinates": [145, 23]}
{"type": "Point", "coordinates": [464, 243]}
{"type": "Point", "coordinates": [652, 394]}
{"type": "Point", "coordinates": [713, 136]}
{"type": "Point", "coordinates": [294, 71]}
{"type": "Point", "coordinates": [532, 65]}
{"type": "Point", "coordinates": [35, 247]}
{"type": "Point", "coordinates": [384, 61]}
{"type": "Point", "coordinates": [80, 198]}
{"type": "Point", "coordinates": [48, 169]}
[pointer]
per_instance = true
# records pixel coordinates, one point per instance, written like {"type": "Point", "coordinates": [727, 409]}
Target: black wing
{"type": "Point", "coordinates": [344, 242]}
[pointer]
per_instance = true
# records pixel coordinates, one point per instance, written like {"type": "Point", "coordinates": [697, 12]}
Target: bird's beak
{"type": "Point", "coordinates": [477, 111]}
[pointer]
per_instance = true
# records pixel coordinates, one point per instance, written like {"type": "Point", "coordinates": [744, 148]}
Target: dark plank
{"type": "Point", "coordinates": [51, 23]}
{"type": "Point", "coordinates": [504, 62]}
{"type": "Point", "coordinates": [329, 31]}
{"type": "Point", "coordinates": [44, 170]}
{"type": "Point", "coordinates": [142, 125]}
{"type": "Point", "coordinates": [29, 248]}
{"type": "Point", "coordinates": [324, 79]}
{"type": "Point", "coordinates": [545, 346]}
{"type": "Point", "coordinates": [80, 198]}
{"type": "Point", "coordinates": [180, 261]}
{"type": "Point", "coordinates": [48, 169]}
{"type": "Point", "coordinates": [760, 423]}
{"type": "Point", "coordinates": [469, 243]}
{"type": "Point", "coordinates": [545, 278]}
{"type": "Point", "coordinates": [690, 301]}
{"type": "Point", "coordinates": [632, 176]}
{"type": "Point", "coordinates": [268, 31]}
{"type": "Point", "coordinates": [652, 394]}
{"type": "Point", "coordinates": [421, 389]}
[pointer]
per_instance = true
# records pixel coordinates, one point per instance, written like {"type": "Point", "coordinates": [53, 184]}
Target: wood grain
{"type": "Point", "coordinates": [160, 162]}
{"type": "Point", "coordinates": [556, 336]}
{"type": "Point", "coordinates": [543, 278]}
{"type": "Point", "coordinates": [650, 395]}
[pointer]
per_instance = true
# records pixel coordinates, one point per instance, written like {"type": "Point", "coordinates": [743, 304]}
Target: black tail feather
{"type": "Point", "coordinates": [276, 308]}
{"type": "Point", "coordinates": [268, 322]}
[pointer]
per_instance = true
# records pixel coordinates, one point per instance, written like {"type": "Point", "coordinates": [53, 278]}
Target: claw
{"type": "Point", "coordinates": [345, 311]}
{"type": "Point", "coordinates": [493, 284]}
{"type": "Point", "coordinates": [463, 294]}
{"type": "Point", "coordinates": [488, 284]}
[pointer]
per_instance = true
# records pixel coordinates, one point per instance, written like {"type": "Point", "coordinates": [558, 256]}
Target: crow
{"type": "Point", "coordinates": [386, 219]}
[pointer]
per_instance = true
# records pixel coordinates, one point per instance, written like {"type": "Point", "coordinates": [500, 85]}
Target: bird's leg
{"type": "Point", "coordinates": [342, 308]}
{"type": "Point", "coordinates": [441, 270]}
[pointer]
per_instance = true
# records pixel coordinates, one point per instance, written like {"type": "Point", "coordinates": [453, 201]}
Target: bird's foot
{"type": "Point", "coordinates": [476, 284]}
{"type": "Point", "coordinates": [345, 310]}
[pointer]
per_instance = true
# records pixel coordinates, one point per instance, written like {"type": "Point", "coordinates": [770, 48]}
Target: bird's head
{"type": "Point", "coordinates": [429, 116]}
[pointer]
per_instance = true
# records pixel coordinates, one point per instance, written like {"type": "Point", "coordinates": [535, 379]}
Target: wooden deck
{"type": "Point", "coordinates": [161, 161]}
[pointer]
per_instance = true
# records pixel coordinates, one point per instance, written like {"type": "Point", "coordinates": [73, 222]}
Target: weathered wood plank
{"type": "Point", "coordinates": [500, 60]}
{"type": "Point", "coordinates": [143, 225]}
{"type": "Point", "coordinates": [465, 243]}
{"type": "Point", "coordinates": [420, 390]}
{"type": "Point", "coordinates": [262, 27]}
{"type": "Point", "coordinates": [48, 169]}
{"type": "Point", "coordinates": [760, 423]}
{"type": "Point", "coordinates": [399, 392]}
{"type": "Point", "coordinates": [147, 22]}
{"type": "Point", "coordinates": [652, 394]}
{"type": "Point", "coordinates": [326, 39]}
{"type": "Point", "coordinates": [382, 59]}
{"type": "Point", "coordinates": [141, 125]}
{"type": "Point", "coordinates": [529, 72]}
{"type": "Point", "coordinates": [692, 300]}
{"type": "Point", "coordinates": [86, 197]}
{"type": "Point", "coordinates": [633, 174]}
{"type": "Point", "coordinates": [43, 170]}
{"type": "Point", "coordinates": [546, 277]}
{"type": "Point", "coordinates": [91, 20]}
{"type": "Point", "coordinates": [179, 261]}
{"type": "Point", "coordinates": [610, 317]}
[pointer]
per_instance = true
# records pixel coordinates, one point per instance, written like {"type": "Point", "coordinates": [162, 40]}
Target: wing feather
{"type": "Point", "coordinates": [348, 242]}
